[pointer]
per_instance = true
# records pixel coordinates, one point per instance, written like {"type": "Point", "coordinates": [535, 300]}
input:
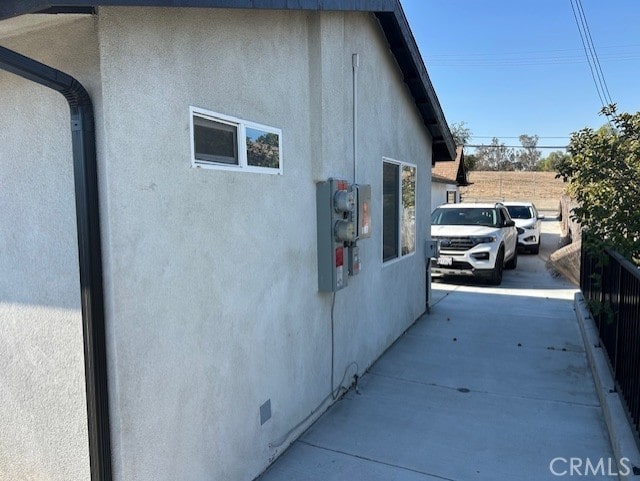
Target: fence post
{"type": "Point", "coordinates": [615, 315]}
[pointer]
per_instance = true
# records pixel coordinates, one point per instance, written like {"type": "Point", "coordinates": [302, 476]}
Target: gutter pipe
{"type": "Point", "coordinates": [89, 248]}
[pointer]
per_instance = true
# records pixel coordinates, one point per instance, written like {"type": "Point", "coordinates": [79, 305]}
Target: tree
{"type": "Point", "coordinates": [551, 162]}
{"type": "Point", "coordinates": [528, 156]}
{"type": "Point", "coordinates": [461, 136]}
{"type": "Point", "coordinates": [460, 133]}
{"type": "Point", "coordinates": [495, 156]}
{"type": "Point", "coordinates": [603, 174]}
{"type": "Point", "coordinates": [264, 151]}
{"type": "Point", "coordinates": [470, 161]}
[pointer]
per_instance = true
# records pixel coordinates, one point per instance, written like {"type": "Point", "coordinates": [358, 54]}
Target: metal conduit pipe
{"type": "Point", "coordinates": [355, 63]}
{"type": "Point", "coordinates": [89, 248]}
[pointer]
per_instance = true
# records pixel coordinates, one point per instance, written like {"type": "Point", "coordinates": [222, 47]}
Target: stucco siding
{"type": "Point", "coordinates": [206, 266]}
{"type": "Point", "coordinates": [43, 414]}
{"type": "Point", "coordinates": [214, 306]}
{"type": "Point", "coordinates": [212, 302]}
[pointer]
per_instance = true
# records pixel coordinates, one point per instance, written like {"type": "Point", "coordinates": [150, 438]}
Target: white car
{"type": "Point", "coordinates": [527, 221]}
{"type": "Point", "coordinates": [475, 240]}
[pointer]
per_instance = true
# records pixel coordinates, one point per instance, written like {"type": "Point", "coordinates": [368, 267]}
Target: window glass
{"type": "Point", "coordinates": [390, 210]}
{"type": "Point", "coordinates": [465, 216]}
{"type": "Point", "coordinates": [398, 209]}
{"type": "Point", "coordinates": [451, 197]}
{"type": "Point", "coordinates": [228, 143]}
{"type": "Point", "coordinates": [520, 212]}
{"type": "Point", "coordinates": [504, 217]}
{"type": "Point", "coordinates": [408, 209]}
{"type": "Point", "coordinates": [263, 148]}
{"type": "Point", "coordinates": [215, 141]}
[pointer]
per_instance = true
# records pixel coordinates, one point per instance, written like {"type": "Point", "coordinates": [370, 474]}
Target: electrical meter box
{"type": "Point", "coordinates": [337, 230]}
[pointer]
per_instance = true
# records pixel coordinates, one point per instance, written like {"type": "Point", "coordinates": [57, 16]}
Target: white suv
{"type": "Point", "coordinates": [474, 239]}
{"type": "Point", "coordinates": [527, 220]}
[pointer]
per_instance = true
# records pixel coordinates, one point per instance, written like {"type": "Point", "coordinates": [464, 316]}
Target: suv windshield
{"type": "Point", "coordinates": [485, 216]}
{"type": "Point", "coordinates": [520, 211]}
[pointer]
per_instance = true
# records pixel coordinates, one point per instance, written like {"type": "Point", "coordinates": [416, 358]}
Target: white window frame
{"type": "Point", "coordinates": [400, 255]}
{"type": "Point", "coordinates": [241, 136]}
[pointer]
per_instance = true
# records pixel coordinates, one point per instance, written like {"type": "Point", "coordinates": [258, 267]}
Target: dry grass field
{"type": "Point", "coordinates": [541, 188]}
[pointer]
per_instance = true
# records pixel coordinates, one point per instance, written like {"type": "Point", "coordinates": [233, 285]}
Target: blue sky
{"type": "Point", "coordinates": [508, 67]}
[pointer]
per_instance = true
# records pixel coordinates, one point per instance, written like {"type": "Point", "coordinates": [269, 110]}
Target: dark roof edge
{"type": "Point", "coordinates": [444, 147]}
{"type": "Point", "coordinates": [14, 8]}
{"type": "Point", "coordinates": [462, 176]}
{"type": "Point", "coordinates": [389, 13]}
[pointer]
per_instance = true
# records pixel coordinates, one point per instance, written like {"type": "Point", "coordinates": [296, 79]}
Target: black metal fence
{"type": "Point", "coordinates": [611, 286]}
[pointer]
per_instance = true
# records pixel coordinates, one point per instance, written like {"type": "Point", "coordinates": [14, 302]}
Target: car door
{"type": "Point", "coordinates": [510, 234]}
{"type": "Point", "coordinates": [537, 217]}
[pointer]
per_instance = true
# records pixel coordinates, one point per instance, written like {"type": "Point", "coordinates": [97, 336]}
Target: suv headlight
{"type": "Point", "coordinates": [483, 239]}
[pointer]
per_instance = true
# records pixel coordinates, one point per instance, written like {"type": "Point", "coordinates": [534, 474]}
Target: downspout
{"type": "Point", "coordinates": [89, 249]}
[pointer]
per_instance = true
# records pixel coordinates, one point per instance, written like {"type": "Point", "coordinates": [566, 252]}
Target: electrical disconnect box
{"type": "Point", "coordinates": [364, 204]}
{"type": "Point", "coordinates": [432, 249]}
{"type": "Point", "coordinates": [343, 217]}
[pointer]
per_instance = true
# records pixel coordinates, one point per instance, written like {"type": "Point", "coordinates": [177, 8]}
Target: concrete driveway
{"type": "Point", "coordinates": [493, 384]}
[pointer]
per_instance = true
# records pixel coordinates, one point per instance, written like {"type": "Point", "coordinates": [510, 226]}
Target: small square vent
{"type": "Point", "coordinates": [265, 412]}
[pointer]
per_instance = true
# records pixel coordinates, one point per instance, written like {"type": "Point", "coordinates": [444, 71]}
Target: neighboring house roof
{"type": "Point", "coordinates": [388, 12]}
{"type": "Point", "coordinates": [452, 172]}
{"type": "Point", "coordinates": [441, 180]}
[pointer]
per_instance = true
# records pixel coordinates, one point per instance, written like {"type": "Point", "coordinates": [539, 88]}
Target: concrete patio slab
{"type": "Point", "coordinates": [492, 384]}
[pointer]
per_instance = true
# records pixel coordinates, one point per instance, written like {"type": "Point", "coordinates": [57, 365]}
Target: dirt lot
{"type": "Point", "coordinates": [541, 188]}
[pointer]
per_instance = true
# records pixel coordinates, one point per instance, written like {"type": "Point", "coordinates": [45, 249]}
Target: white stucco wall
{"type": "Point", "coordinates": [43, 416]}
{"type": "Point", "coordinates": [439, 193]}
{"type": "Point", "coordinates": [214, 306]}
{"type": "Point", "coordinates": [211, 276]}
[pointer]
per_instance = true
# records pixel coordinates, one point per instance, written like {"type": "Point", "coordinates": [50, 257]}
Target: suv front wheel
{"type": "Point", "coordinates": [495, 278]}
{"type": "Point", "coordinates": [513, 262]}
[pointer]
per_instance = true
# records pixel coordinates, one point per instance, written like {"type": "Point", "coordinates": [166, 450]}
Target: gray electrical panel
{"type": "Point", "coordinates": [335, 204]}
{"type": "Point", "coordinates": [344, 217]}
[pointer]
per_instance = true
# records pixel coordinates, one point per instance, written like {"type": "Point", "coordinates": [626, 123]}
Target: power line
{"type": "Point", "coordinates": [516, 137]}
{"type": "Point", "coordinates": [590, 53]}
{"type": "Point", "coordinates": [475, 146]}
{"type": "Point", "coordinates": [533, 58]}
{"type": "Point", "coordinates": [595, 54]}
{"type": "Point", "coordinates": [536, 53]}
{"type": "Point", "coordinates": [584, 46]}
{"type": "Point", "coordinates": [524, 61]}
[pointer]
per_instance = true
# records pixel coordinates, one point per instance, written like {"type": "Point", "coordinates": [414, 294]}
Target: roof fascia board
{"type": "Point", "coordinates": [445, 134]}
{"type": "Point", "coordinates": [13, 8]}
{"type": "Point", "coordinates": [70, 10]}
{"type": "Point", "coordinates": [405, 50]}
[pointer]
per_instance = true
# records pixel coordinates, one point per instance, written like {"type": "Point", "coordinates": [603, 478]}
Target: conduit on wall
{"type": "Point", "coordinates": [89, 248]}
{"type": "Point", "coordinates": [355, 63]}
